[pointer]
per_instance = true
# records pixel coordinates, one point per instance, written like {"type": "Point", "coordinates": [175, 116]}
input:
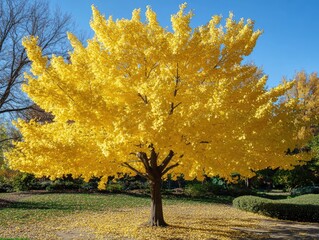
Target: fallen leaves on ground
{"type": "Point", "coordinates": [187, 221]}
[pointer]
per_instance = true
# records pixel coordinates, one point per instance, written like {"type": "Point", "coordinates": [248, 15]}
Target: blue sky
{"type": "Point", "coordinates": [290, 42]}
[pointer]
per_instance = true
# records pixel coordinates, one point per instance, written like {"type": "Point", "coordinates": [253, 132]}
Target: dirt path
{"type": "Point", "coordinates": [9, 198]}
{"type": "Point", "coordinates": [279, 229]}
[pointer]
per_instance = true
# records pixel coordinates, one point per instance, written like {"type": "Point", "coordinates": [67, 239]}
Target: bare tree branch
{"type": "Point", "coordinates": [20, 18]}
{"type": "Point", "coordinates": [8, 139]}
{"type": "Point", "coordinates": [15, 109]}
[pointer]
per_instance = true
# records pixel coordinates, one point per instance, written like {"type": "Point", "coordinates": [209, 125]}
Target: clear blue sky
{"type": "Point", "coordinates": [290, 42]}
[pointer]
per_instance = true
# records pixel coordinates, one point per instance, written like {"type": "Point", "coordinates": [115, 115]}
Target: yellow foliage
{"type": "Point", "coordinates": [305, 92]}
{"type": "Point", "coordinates": [191, 221]}
{"type": "Point", "coordinates": [136, 83]}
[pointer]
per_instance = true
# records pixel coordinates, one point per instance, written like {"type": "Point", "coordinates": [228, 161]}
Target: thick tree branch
{"type": "Point", "coordinates": [169, 168]}
{"type": "Point", "coordinates": [166, 160]}
{"type": "Point", "coordinates": [153, 159]}
{"type": "Point", "coordinates": [143, 157]}
{"type": "Point", "coordinates": [144, 175]}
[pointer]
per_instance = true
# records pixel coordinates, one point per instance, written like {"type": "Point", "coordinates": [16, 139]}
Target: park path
{"type": "Point", "coordinates": [11, 198]}
{"type": "Point", "coordinates": [282, 229]}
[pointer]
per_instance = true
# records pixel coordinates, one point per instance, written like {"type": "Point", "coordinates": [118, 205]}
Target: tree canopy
{"type": "Point", "coordinates": [306, 90]}
{"type": "Point", "coordinates": [137, 89]}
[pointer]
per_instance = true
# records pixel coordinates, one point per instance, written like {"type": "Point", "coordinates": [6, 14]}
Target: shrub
{"type": "Point", "coordinates": [7, 177]}
{"type": "Point", "coordinates": [24, 182]}
{"type": "Point", "coordinates": [196, 190]}
{"type": "Point", "coordinates": [131, 185]}
{"type": "Point", "coordinates": [215, 186]}
{"type": "Point", "coordinates": [304, 190]}
{"type": "Point", "coordinates": [250, 203]}
{"type": "Point", "coordinates": [5, 187]}
{"type": "Point", "coordinates": [115, 187]}
{"type": "Point", "coordinates": [65, 183]}
{"type": "Point", "coordinates": [91, 185]}
{"type": "Point", "coordinates": [295, 212]}
{"type": "Point", "coordinates": [238, 190]}
{"type": "Point", "coordinates": [288, 209]}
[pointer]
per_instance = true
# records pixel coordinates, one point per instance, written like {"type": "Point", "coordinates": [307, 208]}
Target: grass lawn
{"type": "Point", "coordinates": [116, 216]}
{"type": "Point", "coordinates": [312, 199]}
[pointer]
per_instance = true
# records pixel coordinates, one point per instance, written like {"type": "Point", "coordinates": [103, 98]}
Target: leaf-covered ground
{"type": "Point", "coordinates": [95, 216]}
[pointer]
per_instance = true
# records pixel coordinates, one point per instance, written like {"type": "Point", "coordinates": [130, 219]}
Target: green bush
{"type": "Point", "coordinates": [24, 182]}
{"type": "Point", "coordinates": [304, 190]}
{"type": "Point", "coordinates": [305, 209]}
{"type": "Point", "coordinates": [65, 183]}
{"type": "Point", "coordinates": [115, 187]}
{"type": "Point", "coordinates": [236, 190]}
{"type": "Point", "coordinates": [294, 212]}
{"type": "Point", "coordinates": [250, 203]}
{"type": "Point", "coordinates": [196, 190]}
{"type": "Point", "coordinates": [91, 185]}
{"type": "Point", "coordinates": [131, 185]}
{"type": "Point", "coordinates": [5, 187]}
{"type": "Point", "coordinates": [215, 186]}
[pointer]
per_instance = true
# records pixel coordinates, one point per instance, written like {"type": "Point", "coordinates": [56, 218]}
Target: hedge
{"type": "Point", "coordinates": [289, 209]}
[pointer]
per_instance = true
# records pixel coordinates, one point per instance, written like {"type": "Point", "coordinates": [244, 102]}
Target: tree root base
{"type": "Point", "coordinates": [150, 224]}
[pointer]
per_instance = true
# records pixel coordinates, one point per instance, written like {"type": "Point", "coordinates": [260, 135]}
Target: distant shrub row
{"type": "Point", "coordinates": [198, 189]}
{"type": "Point", "coordinates": [123, 183]}
{"type": "Point", "coordinates": [26, 182]}
{"type": "Point", "coordinates": [289, 209]}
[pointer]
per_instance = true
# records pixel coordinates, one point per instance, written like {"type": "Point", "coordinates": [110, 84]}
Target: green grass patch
{"type": "Point", "coordinates": [303, 208]}
{"type": "Point", "coordinates": [34, 207]}
{"type": "Point", "coordinates": [28, 207]}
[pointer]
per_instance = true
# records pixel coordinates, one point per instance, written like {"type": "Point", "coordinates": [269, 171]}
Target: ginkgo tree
{"type": "Point", "coordinates": [140, 98]}
{"type": "Point", "coordinates": [306, 90]}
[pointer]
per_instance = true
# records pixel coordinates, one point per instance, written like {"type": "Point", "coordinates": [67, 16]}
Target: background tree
{"type": "Point", "coordinates": [139, 98]}
{"type": "Point", "coordinates": [306, 91]}
{"type": "Point", "coordinates": [19, 18]}
{"type": "Point", "coordinates": [3, 136]}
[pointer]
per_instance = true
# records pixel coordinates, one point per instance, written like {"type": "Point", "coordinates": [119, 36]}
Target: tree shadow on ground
{"type": "Point", "coordinates": [184, 198]}
{"type": "Point", "coordinates": [4, 203]}
{"type": "Point", "coordinates": [277, 229]}
{"type": "Point", "coordinates": [31, 205]}
{"type": "Point", "coordinates": [253, 229]}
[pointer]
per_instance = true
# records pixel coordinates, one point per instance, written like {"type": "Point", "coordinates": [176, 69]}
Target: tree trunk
{"type": "Point", "coordinates": [154, 173]}
{"type": "Point", "coordinates": [157, 218]}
